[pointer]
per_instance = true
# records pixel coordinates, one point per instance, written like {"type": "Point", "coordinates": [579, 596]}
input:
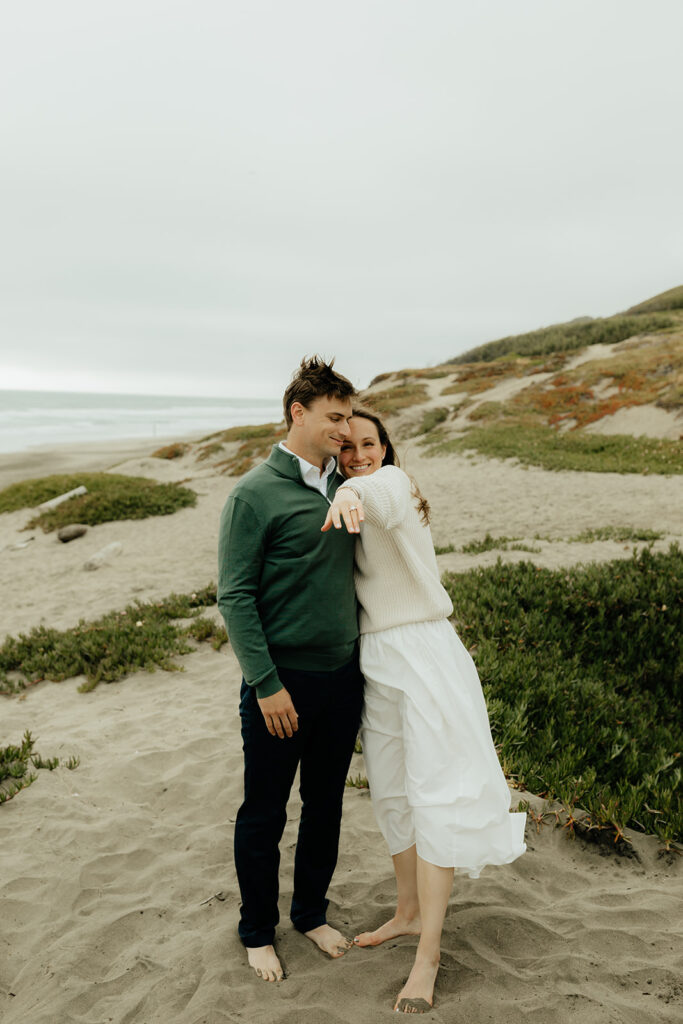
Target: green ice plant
{"type": "Point", "coordinates": [583, 671]}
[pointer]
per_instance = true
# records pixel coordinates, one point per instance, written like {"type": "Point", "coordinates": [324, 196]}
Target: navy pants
{"type": "Point", "coordinates": [329, 706]}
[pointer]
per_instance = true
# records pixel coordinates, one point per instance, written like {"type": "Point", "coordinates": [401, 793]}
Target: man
{"type": "Point", "coordinates": [287, 596]}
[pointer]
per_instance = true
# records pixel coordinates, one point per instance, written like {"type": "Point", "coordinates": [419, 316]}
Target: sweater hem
{"type": "Point", "coordinates": [311, 659]}
{"type": "Point", "coordinates": [410, 620]}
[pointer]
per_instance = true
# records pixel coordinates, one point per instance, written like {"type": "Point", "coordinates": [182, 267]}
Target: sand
{"type": "Point", "coordinates": [469, 497]}
{"type": "Point", "coordinates": [105, 871]}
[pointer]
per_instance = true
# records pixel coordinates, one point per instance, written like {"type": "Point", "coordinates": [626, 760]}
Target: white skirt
{"type": "Point", "coordinates": [434, 775]}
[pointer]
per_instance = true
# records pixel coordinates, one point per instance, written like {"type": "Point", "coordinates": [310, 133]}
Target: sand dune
{"type": "Point", "coordinates": [105, 871]}
{"type": "Point", "coordinates": [109, 873]}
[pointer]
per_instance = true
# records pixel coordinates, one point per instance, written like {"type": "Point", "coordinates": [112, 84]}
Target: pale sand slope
{"type": "Point", "coordinates": [469, 498]}
{"type": "Point", "coordinates": [103, 871]}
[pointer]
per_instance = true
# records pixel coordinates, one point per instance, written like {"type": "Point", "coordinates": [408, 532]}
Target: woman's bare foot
{"type": "Point", "coordinates": [390, 930]}
{"type": "Point", "coordinates": [417, 995]}
{"type": "Point", "coordinates": [329, 940]}
{"type": "Point", "coordinates": [265, 962]}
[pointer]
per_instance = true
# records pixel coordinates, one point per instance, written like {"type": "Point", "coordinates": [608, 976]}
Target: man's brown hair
{"type": "Point", "coordinates": [315, 379]}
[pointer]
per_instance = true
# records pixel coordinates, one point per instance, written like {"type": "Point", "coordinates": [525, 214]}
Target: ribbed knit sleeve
{"type": "Point", "coordinates": [397, 577]}
{"type": "Point", "coordinates": [385, 496]}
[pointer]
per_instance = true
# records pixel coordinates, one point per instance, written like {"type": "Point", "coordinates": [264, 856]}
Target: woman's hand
{"type": "Point", "coordinates": [347, 506]}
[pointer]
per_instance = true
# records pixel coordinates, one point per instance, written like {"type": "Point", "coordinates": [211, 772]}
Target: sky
{"type": "Point", "coordinates": [197, 194]}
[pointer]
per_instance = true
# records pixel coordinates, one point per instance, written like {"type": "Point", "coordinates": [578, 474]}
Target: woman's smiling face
{"type": "Point", "coordinates": [361, 452]}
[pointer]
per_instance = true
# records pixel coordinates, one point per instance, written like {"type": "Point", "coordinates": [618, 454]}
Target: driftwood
{"type": "Point", "coordinates": [53, 502]}
{"type": "Point", "coordinates": [103, 555]}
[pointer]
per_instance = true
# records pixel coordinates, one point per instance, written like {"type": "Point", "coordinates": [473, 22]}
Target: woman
{"type": "Point", "coordinates": [439, 794]}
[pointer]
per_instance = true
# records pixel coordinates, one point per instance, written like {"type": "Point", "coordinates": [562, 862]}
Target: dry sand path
{"type": "Point", "coordinates": [103, 872]}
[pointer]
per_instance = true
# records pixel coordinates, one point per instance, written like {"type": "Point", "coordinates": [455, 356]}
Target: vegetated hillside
{"type": "Point", "coordinates": [604, 395]}
{"type": "Point", "coordinates": [671, 299]}
{"type": "Point", "coordinates": [585, 331]}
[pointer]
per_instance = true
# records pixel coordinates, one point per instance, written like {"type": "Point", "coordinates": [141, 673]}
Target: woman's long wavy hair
{"type": "Point", "coordinates": [391, 458]}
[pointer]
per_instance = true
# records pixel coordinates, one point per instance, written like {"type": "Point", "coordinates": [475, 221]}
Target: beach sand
{"type": "Point", "coordinates": [105, 871]}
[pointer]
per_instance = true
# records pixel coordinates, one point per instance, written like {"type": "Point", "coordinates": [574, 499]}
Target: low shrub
{"type": "Point", "coordinates": [582, 670]}
{"type": "Point", "coordinates": [143, 636]}
{"type": "Point", "coordinates": [618, 533]}
{"type": "Point", "coordinates": [489, 543]}
{"type": "Point", "coordinates": [110, 497]}
{"type": "Point", "coordinates": [431, 419]}
{"type": "Point", "coordinates": [17, 764]}
{"type": "Point", "coordinates": [171, 451]}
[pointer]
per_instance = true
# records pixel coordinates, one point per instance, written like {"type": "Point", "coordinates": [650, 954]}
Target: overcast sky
{"type": "Point", "coordinates": [195, 193]}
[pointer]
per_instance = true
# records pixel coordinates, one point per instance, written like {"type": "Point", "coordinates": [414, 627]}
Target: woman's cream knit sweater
{"type": "Point", "coordinates": [397, 578]}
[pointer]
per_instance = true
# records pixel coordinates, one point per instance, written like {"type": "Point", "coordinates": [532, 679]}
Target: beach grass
{"type": "Point", "coordinates": [473, 378]}
{"type": "Point", "coordinates": [207, 451]}
{"type": "Point", "coordinates": [582, 670]}
{"type": "Point", "coordinates": [431, 419]}
{"type": "Point", "coordinates": [535, 445]}
{"type": "Point", "coordinates": [110, 497]}
{"type": "Point", "coordinates": [249, 432]}
{"type": "Point", "coordinates": [567, 336]}
{"type": "Point", "coordinates": [671, 299]}
{"type": "Point", "coordinates": [394, 399]}
{"type": "Point", "coordinates": [255, 444]}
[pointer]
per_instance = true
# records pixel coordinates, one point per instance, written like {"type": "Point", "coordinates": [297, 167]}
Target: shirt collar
{"type": "Point", "coordinates": [308, 470]}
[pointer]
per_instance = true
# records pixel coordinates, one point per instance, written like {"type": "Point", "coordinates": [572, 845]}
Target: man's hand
{"type": "Point", "coordinates": [346, 506]}
{"type": "Point", "coordinates": [279, 714]}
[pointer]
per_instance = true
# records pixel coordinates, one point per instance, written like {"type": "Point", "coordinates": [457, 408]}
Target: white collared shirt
{"type": "Point", "coordinates": [311, 474]}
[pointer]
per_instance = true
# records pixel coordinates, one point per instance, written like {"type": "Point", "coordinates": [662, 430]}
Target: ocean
{"type": "Point", "coordinates": [30, 418]}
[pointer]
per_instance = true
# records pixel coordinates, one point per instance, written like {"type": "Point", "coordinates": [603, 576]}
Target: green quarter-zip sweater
{"type": "Point", "coordinates": [285, 589]}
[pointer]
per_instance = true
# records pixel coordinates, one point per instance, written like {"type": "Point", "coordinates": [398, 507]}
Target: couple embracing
{"type": "Point", "coordinates": [325, 541]}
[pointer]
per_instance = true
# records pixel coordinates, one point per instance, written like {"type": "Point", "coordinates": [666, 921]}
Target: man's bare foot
{"type": "Point", "coordinates": [390, 930]}
{"type": "Point", "coordinates": [417, 994]}
{"type": "Point", "coordinates": [265, 962]}
{"type": "Point", "coordinates": [329, 940]}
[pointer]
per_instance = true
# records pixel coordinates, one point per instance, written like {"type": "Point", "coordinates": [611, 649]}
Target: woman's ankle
{"type": "Point", "coordinates": [407, 916]}
{"type": "Point", "coordinates": [427, 956]}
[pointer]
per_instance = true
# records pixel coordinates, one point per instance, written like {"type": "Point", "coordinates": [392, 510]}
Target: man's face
{"type": "Point", "coordinates": [324, 425]}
